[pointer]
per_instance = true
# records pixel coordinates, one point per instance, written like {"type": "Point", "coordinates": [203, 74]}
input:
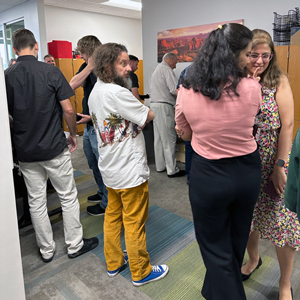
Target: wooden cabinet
{"type": "Point", "coordinates": [289, 60]}
{"type": "Point", "coordinates": [282, 56]}
{"type": "Point", "coordinates": [69, 68]}
{"type": "Point", "coordinates": [140, 74]}
{"type": "Point", "coordinates": [294, 77]}
{"type": "Point", "coordinates": [78, 94]}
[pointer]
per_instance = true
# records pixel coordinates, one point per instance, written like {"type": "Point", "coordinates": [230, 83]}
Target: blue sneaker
{"type": "Point", "coordinates": [115, 272]}
{"type": "Point", "coordinates": [158, 272]}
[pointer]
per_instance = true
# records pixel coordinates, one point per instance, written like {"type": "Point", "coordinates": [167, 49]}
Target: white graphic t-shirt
{"type": "Point", "coordinates": [117, 116]}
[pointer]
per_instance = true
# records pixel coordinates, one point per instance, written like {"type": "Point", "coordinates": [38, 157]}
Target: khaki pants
{"type": "Point", "coordinates": [128, 207]}
{"type": "Point", "coordinates": [164, 137]}
{"type": "Point", "coordinates": [60, 172]}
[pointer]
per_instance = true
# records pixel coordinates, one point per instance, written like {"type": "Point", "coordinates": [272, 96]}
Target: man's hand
{"type": "Point", "coordinates": [72, 140]}
{"type": "Point", "coordinates": [90, 63]}
{"type": "Point", "coordinates": [84, 119]}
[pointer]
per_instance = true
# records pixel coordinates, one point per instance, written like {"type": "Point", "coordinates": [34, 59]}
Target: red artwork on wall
{"type": "Point", "coordinates": [185, 42]}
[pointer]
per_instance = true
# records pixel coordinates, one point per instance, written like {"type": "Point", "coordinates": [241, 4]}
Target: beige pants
{"type": "Point", "coordinates": [60, 172]}
{"type": "Point", "coordinates": [164, 137]}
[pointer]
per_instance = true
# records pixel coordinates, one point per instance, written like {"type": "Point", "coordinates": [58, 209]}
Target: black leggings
{"type": "Point", "coordinates": [223, 194]}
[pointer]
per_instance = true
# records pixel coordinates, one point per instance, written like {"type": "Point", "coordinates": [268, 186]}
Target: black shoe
{"type": "Point", "coordinates": [178, 174]}
{"type": "Point", "coordinates": [46, 260]}
{"type": "Point", "coordinates": [247, 276]}
{"type": "Point", "coordinates": [94, 198]}
{"type": "Point", "coordinates": [292, 293]}
{"type": "Point", "coordinates": [95, 210]}
{"type": "Point", "coordinates": [88, 245]}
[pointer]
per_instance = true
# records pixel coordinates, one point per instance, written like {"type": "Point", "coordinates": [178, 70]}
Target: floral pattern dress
{"type": "Point", "coordinates": [271, 218]}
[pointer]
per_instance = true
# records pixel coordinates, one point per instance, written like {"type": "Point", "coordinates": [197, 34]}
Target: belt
{"type": "Point", "coordinates": [88, 126]}
{"type": "Point", "coordinates": [162, 103]}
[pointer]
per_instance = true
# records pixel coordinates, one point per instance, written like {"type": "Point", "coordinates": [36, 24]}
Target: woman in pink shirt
{"type": "Point", "coordinates": [215, 109]}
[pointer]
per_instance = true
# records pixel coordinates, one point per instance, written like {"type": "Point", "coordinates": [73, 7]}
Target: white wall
{"type": "Point", "coordinates": [34, 20]}
{"type": "Point", "coordinates": [11, 274]}
{"type": "Point", "coordinates": [71, 25]}
{"type": "Point", "coordinates": [160, 15]}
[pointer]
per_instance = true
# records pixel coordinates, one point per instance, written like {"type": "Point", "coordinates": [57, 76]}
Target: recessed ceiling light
{"type": "Point", "coordinates": [124, 4]}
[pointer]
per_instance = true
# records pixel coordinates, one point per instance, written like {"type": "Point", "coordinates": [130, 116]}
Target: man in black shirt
{"type": "Point", "coordinates": [86, 46]}
{"type": "Point", "coordinates": [133, 63]}
{"type": "Point", "coordinates": [37, 95]}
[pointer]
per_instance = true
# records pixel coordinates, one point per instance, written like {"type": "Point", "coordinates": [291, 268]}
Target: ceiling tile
{"type": "Point", "coordinates": [83, 5]}
{"type": "Point", "coordinates": [4, 7]}
{"type": "Point", "coordinates": [74, 4]}
{"type": "Point", "coordinates": [52, 2]}
{"type": "Point", "coordinates": [12, 2]}
{"type": "Point", "coordinates": [94, 1]}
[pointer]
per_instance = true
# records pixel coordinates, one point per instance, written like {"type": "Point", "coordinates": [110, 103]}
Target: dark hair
{"type": "Point", "coordinates": [88, 44]}
{"type": "Point", "coordinates": [133, 58]}
{"type": "Point", "coordinates": [216, 63]}
{"type": "Point", "coordinates": [23, 38]}
{"type": "Point", "coordinates": [104, 59]}
{"type": "Point", "coordinates": [273, 73]}
{"type": "Point", "coordinates": [48, 55]}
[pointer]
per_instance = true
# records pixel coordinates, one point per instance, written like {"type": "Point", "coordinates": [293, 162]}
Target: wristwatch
{"type": "Point", "coordinates": [280, 162]}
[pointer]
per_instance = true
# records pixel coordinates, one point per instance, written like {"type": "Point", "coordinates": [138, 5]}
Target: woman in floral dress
{"type": "Point", "coordinates": [271, 219]}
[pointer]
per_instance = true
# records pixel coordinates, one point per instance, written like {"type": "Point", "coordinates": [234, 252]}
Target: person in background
{"type": "Point", "coordinates": [133, 63]}
{"type": "Point", "coordinates": [41, 145]}
{"type": "Point", "coordinates": [118, 119]}
{"type": "Point", "coordinates": [216, 108]}
{"type": "Point", "coordinates": [292, 188]}
{"type": "Point", "coordinates": [163, 98]}
{"type": "Point", "coordinates": [188, 150]}
{"type": "Point", "coordinates": [12, 62]}
{"type": "Point", "coordinates": [271, 219]}
{"type": "Point", "coordinates": [49, 59]}
{"type": "Point", "coordinates": [85, 77]}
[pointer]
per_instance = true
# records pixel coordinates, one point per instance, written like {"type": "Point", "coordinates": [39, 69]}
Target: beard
{"type": "Point", "coordinates": [123, 81]}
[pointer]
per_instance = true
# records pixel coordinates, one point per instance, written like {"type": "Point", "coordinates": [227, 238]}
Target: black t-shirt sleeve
{"type": "Point", "coordinates": [81, 68]}
{"type": "Point", "coordinates": [134, 79]}
{"type": "Point", "coordinates": [62, 87]}
{"type": "Point", "coordinates": [9, 94]}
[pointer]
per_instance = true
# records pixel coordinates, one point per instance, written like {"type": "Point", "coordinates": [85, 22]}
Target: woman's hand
{"type": "Point", "coordinates": [179, 131]}
{"type": "Point", "coordinates": [254, 75]}
{"type": "Point", "coordinates": [279, 179]}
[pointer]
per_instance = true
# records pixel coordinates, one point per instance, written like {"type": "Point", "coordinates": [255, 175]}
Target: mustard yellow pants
{"type": "Point", "coordinates": [128, 207]}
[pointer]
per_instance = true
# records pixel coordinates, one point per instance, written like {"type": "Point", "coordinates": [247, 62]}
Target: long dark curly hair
{"type": "Point", "coordinates": [104, 58]}
{"type": "Point", "coordinates": [216, 63]}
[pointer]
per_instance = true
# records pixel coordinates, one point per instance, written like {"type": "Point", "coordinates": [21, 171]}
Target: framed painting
{"type": "Point", "coordinates": [185, 42]}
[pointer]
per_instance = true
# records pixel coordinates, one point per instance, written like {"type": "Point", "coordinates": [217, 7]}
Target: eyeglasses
{"type": "Point", "coordinates": [265, 57]}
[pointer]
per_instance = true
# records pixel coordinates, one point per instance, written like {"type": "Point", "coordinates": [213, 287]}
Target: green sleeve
{"type": "Point", "coordinates": [292, 188]}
